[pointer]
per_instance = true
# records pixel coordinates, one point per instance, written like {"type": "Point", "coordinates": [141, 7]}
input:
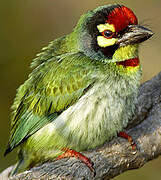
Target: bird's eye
{"type": "Point", "coordinates": [108, 34]}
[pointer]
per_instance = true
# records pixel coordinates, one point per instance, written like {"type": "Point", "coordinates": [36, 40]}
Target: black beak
{"type": "Point", "coordinates": [135, 34]}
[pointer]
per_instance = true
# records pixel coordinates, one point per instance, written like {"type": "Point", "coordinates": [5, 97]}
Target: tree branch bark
{"type": "Point", "coordinates": [116, 156]}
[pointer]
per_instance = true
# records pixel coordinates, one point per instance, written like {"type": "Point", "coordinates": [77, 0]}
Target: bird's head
{"type": "Point", "coordinates": [111, 34]}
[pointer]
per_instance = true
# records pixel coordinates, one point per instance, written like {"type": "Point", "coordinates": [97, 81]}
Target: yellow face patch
{"type": "Point", "coordinates": [103, 41]}
{"type": "Point", "coordinates": [103, 27]}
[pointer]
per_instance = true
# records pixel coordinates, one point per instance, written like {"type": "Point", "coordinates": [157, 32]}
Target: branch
{"type": "Point", "coordinates": [116, 156]}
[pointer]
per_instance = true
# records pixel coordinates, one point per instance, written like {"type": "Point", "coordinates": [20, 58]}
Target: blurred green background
{"type": "Point", "coordinates": [28, 25]}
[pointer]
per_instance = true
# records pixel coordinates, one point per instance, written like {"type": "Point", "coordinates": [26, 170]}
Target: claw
{"type": "Point", "coordinates": [129, 138]}
{"type": "Point", "coordinates": [72, 153]}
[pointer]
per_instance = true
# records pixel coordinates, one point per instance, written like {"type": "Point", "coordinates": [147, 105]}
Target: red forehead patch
{"type": "Point", "coordinates": [121, 17]}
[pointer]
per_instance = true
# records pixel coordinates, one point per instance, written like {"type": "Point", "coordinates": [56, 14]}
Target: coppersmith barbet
{"type": "Point", "coordinates": [83, 88]}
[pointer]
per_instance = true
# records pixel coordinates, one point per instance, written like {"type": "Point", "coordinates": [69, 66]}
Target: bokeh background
{"type": "Point", "coordinates": [26, 26]}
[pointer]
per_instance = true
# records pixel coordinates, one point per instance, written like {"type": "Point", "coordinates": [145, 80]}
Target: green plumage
{"type": "Point", "coordinates": [76, 97]}
{"type": "Point", "coordinates": [51, 88]}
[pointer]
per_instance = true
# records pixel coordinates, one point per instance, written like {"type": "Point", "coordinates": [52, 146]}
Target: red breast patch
{"type": "Point", "coordinates": [130, 62]}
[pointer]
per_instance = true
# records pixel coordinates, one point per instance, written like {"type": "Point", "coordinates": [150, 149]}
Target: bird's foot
{"type": "Point", "coordinates": [129, 138]}
{"type": "Point", "coordinates": [72, 153]}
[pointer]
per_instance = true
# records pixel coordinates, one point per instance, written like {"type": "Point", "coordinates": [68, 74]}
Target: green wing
{"type": "Point", "coordinates": [51, 88]}
{"type": "Point", "coordinates": [55, 48]}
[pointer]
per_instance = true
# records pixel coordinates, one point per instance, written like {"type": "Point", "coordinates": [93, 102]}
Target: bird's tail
{"type": "Point", "coordinates": [22, 165]}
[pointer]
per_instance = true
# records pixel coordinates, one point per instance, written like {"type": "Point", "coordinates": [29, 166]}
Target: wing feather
{"type": "Point", "coordinates": [51, 88]}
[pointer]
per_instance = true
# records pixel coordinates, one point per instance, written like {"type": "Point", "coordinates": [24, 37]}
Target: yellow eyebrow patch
{"type": "Point", "coordinates": [103, 27]}
{"type": "Point", "coordinates": [104, 42]}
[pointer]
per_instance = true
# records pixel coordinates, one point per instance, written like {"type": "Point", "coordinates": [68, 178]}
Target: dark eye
{"type": "Point", "coordinates": [108, 34]}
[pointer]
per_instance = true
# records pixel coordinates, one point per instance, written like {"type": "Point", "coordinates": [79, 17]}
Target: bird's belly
{"type": "Point", "coordinates": [94, 119]}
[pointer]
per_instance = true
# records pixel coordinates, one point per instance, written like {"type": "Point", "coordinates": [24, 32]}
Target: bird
{"type": "Point", "coordinates": [82, 91]}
